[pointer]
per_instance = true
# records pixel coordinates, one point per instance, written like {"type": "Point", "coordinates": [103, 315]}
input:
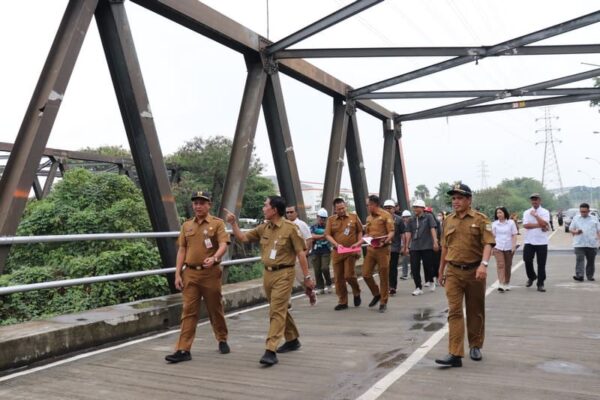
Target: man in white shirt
{"type": "Point", "coordinates": [586, 234]}
{"type": "Point", "coordinates": [292, 215]}
{"type": "Point", "coordinates": [536, 222]}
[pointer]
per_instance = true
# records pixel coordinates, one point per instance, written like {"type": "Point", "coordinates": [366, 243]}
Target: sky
{"type": "Point", "coordinates": [195, 85]}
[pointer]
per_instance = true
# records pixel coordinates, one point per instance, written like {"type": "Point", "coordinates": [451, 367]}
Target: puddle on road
{"type": "Point", "coordinates": [564, 367]}
{"type": "Point", "coordinates": [423, 314]}
{"type": "Point", "coordinates": [417, 326]}
{"type": "Point", "coordinates": [389, 359]}
{"type": "Point", "coordinates": [434, 326]}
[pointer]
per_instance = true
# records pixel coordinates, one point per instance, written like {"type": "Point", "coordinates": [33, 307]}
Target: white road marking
{"type": "Point", "coordinates": [384, 383]}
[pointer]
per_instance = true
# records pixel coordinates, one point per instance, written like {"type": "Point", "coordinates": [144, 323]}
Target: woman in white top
{"type": "Point", "coordinates": [505, 231]}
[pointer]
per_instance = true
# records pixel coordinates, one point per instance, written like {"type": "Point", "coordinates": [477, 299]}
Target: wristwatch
{"type": "Point", "coordinates": [485, 263]}
{"type": "Point", "coordinates": [307, 277]}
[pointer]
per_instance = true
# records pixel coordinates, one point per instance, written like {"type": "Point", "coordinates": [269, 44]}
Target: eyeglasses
{"type": "Point", "coordinates": [290, 212]}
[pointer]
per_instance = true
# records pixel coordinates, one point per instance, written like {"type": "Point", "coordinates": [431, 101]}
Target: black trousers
{"type": "Point", "coordinates": [394, 269]}
{"type": "Point", "coordinates": [541, 252]}
{"type": "Point", "coordinates": [429, 267]}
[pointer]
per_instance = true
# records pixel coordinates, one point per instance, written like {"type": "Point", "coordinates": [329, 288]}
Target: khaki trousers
{"type": "Point", "coordinates": [462, 283]}
{"type": "Point", "coordinates": [380, 257]}
{"type": "Point", "coordinates": [278, 289]}
{"type": "Point", "coordinates": [504, 261]}
{"type": "Point", "coordinates": [197, 285]}
{"type": "Point", "coordinates": [344, 272]}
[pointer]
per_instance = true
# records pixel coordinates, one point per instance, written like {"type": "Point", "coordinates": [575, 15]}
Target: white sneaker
{"type": "Point", "coordinates": [426, 284]}
{"type": "Point", "coordinates": [321, 291]}
{"type": "Point", "coordinates": [417, 292]}
{"type": "Point", "coordinates": [328, 289]}
{"type": "Point", "coordinates": [506, 287]}
{"type": "Point", "coordinates": [432, 288]}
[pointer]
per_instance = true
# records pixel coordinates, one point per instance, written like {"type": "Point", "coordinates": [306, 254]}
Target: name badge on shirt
{"type": "Point", "coordinates": [273, 254]}
{"type": "Point", "coordinates": [208, 243]}
{"type": "Point", "coordinates": [347, 231]}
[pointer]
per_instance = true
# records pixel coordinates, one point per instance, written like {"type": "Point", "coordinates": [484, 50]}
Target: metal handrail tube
{"type": "Point", "coordinates": [105, 278]}
{"type": "Point", "coordinates": [9, 240]}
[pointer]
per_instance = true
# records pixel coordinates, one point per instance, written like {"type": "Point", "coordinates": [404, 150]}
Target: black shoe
{"type": "Point", "coordinates": [475, 354]}
{"type": "Point", "coordinates": [292, 345]}
{"type": "Point", "coordinates": [392, 291]}
{"type": "Point", "coordinates": [375, 300]}
{"type": "Point", "coordinates": [529, 282]}
{"type": "Point", "coordinates": [178, 356]}
{"type": "Point", "coordinates": [340, 307]}
{"type": "Point", "coordinates": [224, 348]}
{"type": "Point", "coordinates": [541, 289]}
{"type": "Point", "coordinates": [578, 278]}
{"type": "Point", "coordinates": [269, 358]}
{"type": "Point", "coordinates": [382, 308]}
{"type": "Point", "coordinates": [450, 361]}
{"type": "Point", "coordinates": [500, 289]}
{"type": "Point", "coordinates": [591, 279]}
{"type": "Point", "coordinates": [357, 301]}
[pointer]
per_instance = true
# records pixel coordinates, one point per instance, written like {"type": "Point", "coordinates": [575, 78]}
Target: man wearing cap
{"type": "Point", "coordinates": [202, 243]}
{"type": "Point", "coordinates": [380, 227]}
{"type": "Point", "coordinates": [422, 242]}
{"type": "Point", "coordinates": [280, 245]}
{"type": "Point", "coordinates": [390, 206]}
{"type": "Point", "coordinates": [320, 254]}
{"type": "Point", "coordinates": [536, 223]}
{"type": "Point", "coordinates": [344, 230]}
{"type": "Point", "coordinates": [467, 242]}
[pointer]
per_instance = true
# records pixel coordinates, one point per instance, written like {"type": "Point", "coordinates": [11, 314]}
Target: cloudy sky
{"type": "Point", "coordinates": [195, 85]}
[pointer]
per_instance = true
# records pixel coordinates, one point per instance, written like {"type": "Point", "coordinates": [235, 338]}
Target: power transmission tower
{"type": "Point", "coordinates": [483, 174]}
{"type": "Point", "coordinates": [550, 169]}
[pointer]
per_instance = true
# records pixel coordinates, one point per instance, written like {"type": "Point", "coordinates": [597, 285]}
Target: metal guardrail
{"type": "Point", "coordinates": [106, 278]}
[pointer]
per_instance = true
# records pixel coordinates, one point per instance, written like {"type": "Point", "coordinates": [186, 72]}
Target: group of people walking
{"type": "Point", "coordinates": [454, 252]}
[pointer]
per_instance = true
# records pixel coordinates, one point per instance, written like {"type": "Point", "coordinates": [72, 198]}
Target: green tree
{"type": "Point", "coordinates": [203, 164]}
{"type": "Point", "coordinates": [82, 202]}
{"type": "Point", "coordinates": [422, 192]}
{"type": "Point", "coordinates": [112, 151]}
{"type": "Point", "coordinates": [441, 201]}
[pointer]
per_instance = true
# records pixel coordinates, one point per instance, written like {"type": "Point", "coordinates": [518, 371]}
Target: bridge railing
{"type": "Point", "coordinates": [11, 240]}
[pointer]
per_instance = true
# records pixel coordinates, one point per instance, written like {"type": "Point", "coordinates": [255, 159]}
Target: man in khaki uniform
{"type": "Point", "coordinates": [344, 229]}
{"type": "Point", "coordinates": [280, 244]}
{"type": "Point", "coordinates": [467, 244]}
{"type": "Point", "coordinates": [202, 242]}
{"type": "Point", "coordinates": [380, 227]}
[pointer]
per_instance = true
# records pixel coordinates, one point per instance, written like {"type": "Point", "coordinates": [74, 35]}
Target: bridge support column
{"type": "Point", "coordinates": [399, 170]}
{"type": "Point", "coordinates": [335, 158]}
{"type": "Point", "coordinates": [387, 160]}
{"type": "Point", "coordinates": [282, 148]}
{"type": "Point", "coordinates": [243, 141]}
{"type": "Point", "coordinates": [126, 74]}
{"type": "Point", "coordinates": [31, 140]}
{"type": "Point", "coordinates": [356, 166]}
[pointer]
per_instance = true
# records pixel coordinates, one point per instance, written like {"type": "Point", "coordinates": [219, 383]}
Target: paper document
{"type": "Point", "coordinates": [344, 250]}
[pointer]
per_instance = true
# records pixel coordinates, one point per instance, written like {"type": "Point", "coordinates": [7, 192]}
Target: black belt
{"type": "Point", "coordinates": [278, 267]}
{"type": "Point", "coordinates": [465, 266]}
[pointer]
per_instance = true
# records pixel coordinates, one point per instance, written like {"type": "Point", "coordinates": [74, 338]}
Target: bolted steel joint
{"type": "Point", "coordinates": [350, 107]}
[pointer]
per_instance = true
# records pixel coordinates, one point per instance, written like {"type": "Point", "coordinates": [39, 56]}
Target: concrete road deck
{"type": "Point", "coordinates": [538, 346]}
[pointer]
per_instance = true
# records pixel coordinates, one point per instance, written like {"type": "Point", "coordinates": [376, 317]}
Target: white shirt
{"type": "Point", "coordinates": [304, 229]}
{"type": "Point", "coordinates": [503, 232]}
{"type": "Point", "coordinates": [590, 227]}
{"type": "Point", "coordinates": [535, 236]}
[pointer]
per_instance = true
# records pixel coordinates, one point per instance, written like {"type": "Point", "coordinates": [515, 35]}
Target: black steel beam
{"type": "Point", "coordinates": [554, 30]}
{"type": "Point", "coordinates": [73, 155]}
{"type": "Point", "coordinates": [515, 105]}
{"type": "Point", "coordinates": [39, 118]}
{"type": "Point", "coordinates": [356, 165]}
{"type": "Point", "coordinates": [435, 51]}
{"type": "Point", "coordinates": [243, 140]}
{"type": "Point", "coordinates": [498, 94]}
{"type": "Point", "coordinates": [123, 64]}
{"type": "Point", "coordinates": [387, 160]}
{"type": "Point", "coordinates": [432, 112]}
{"type": "Point", "coordinates": [212, 24]}
{"type": "Point", "coordinates": [282, 147]}
{"type": "Point", "coordinates": [335, 157]}
{"type": "Point", "coordinates": [400, 172]}
{"type": "Point", "coordinates": [50, 178]}
{"type": "Point", "coordinates": [322, 24]}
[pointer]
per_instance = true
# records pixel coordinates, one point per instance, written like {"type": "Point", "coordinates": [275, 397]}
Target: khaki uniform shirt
{"type": "Point", "coordinates": [201, 238]}
{"type": "Point", "coordinates": [344, 230]}
{"type": "Point", "coordinates": [466, 237]}
{"type": "Point", "coordinates": [279, 242]}
{"type": "Point", "coordinates": [379, 224]}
